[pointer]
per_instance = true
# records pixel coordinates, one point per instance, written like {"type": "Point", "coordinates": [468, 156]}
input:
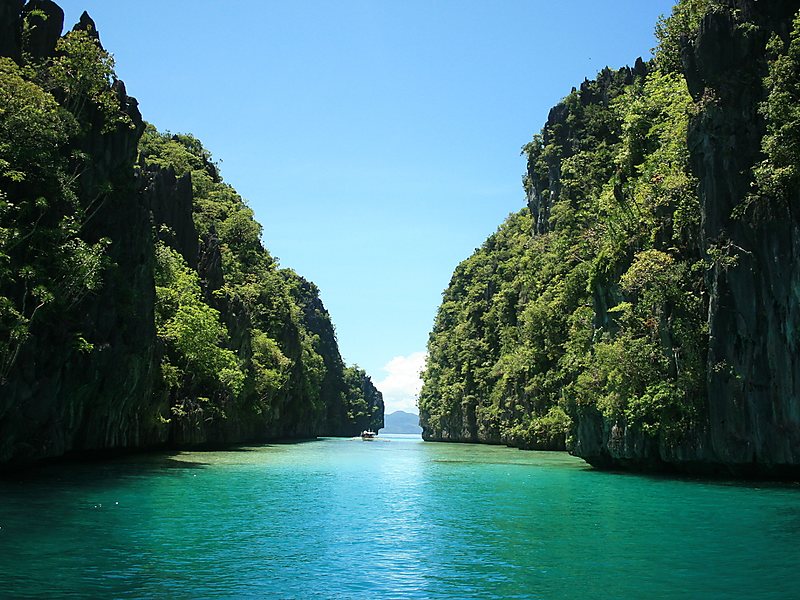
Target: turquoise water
{"type": "Point", "coordinates": [390, 519]}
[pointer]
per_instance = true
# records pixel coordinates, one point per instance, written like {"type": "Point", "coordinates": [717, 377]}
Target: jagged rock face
{"type": "Point", "coordinates": [86, 23]}
{"type": "Point", "coordinates": [471, 418]}
{"type": "Point", "coordinates": [744, 403]}
{"type": "Point", "coordinates": [45, 20]}
{"type": "Point", "coordinates": [336, 420]}
{"type": "Point", "coordinates": [317, 319]}
{"type": "Point", "coordinates": [754, 316]}
{"type": "Point", "coordinates": [543, 189]}
{"type": "Point", "coordinates": [457, 427]}
{"type": "Point", "coordinates": [210, 263]}
{"type": "Point", "coordinates": [122, 312]}
{"type": "Point", "coordinates": [615, 445]}
{"type": "Point", "coordinates": [170, 199]}
{"type": "Point", "coordinates": [60, 399]}
{"type": "Point", "coordinates": [90, 378]}
{"type": "Point", "coordinates": [753, 393]}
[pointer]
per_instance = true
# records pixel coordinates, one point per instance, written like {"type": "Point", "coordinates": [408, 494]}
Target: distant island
{"type": "Point", "coordinates": [401, 422]}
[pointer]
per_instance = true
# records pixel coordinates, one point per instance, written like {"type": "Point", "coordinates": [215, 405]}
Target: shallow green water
{"type": "Point", "coordinates": [390, 519]}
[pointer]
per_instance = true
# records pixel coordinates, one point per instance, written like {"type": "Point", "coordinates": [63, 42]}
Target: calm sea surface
{"type": "Point", "coordinates": [393, 518]}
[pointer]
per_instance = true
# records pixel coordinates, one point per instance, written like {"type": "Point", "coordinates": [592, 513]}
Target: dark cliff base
{"type": "Point", "coordinates": [647, 464]}
{"type": "Point", "coordinates": [750, 425]}
{"type": "Point", "coordinates": [554, 445]}
{"type": "Point", "coordinates": [705, 470]}
{"type": "Point", "coordinates": [429, 437]}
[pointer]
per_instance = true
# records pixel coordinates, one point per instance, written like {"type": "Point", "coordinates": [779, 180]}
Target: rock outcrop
{"type": "Point", "coordinates": [170, 200]}
{"type": "Point", "coordinates": [10, 32]}
{"type": "Point", "coordinates": [542, 188]}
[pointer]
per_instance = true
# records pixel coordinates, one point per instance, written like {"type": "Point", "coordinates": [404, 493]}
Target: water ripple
{"type": "Point", "coordinates": [340, 519]}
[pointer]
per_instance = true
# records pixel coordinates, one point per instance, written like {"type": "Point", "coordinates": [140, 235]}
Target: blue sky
{"type": "Point", "coordinates": [378, 142]}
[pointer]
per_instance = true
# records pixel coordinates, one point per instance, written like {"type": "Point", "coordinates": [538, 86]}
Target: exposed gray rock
{"type": "Point", "coordinates": [86, 23]}
{"type": "Point", "coordinates": [62, 398]}
{"type": "Point", "coordinates": [102, 391]}
{"type": "Point", "coordinates": [754, 316]}
{"type": "Point", "coordinates": [170, 199]}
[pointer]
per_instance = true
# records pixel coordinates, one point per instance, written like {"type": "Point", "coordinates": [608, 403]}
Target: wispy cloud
{"type": "Point", "coordinates": [402, 383]}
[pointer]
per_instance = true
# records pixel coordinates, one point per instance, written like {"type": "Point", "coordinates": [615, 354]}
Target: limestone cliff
{"type": "Point", "coordinates": [648, 320]}
{"type": "Point", "coordinates": [137, 310]}
{"type": "Point", "coordinates": [58, 398]}
{"type": "Point", "coordinates": [754, 315]}
{"type": "Point", "coordinates": [751, 423]}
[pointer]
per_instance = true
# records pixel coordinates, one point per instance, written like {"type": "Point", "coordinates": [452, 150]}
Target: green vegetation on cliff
{"type": "Point", "coordinates": [138, 305]}
{"type": "Point", "coordinates": [584, 321]}
{"type": "Point", "coordinates": [778, 175]}
{"type": "Point", "coordinates": [46, 265]}
{"type": "Point", "coordinates": [601, 308]}
{"type": "Point", "coordinates": [238, 335]}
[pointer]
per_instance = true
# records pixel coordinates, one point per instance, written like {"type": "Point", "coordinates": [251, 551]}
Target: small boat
{"type": "Point", "coordinates": [368, 435]}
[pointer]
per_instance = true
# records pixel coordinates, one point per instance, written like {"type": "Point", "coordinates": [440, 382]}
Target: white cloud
{"type": "Point", "coordinates": [402, 383]}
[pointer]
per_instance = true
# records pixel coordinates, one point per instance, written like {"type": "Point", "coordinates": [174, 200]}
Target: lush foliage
{"type": "Point", "coordinates": [602, 309]}
{"type": "Point", "coordinates": [673, 32]}
{"type": "Point", "coordinates": [364, 403]}
{"type": "Point", "coordinates": [193, 336]}
{"type": "Point", "coordinates": [83, 73]}
{"type": "Point", "coordinates": [589, 308]}
{"type": "Point", "coordinates": [779, 174]}
{"type": "Point", "coordinates": [251, 339]}
{"type": "Point", "coordinates": [244, 349]}
{"type": "Point", "coordinates": [48, 265]}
